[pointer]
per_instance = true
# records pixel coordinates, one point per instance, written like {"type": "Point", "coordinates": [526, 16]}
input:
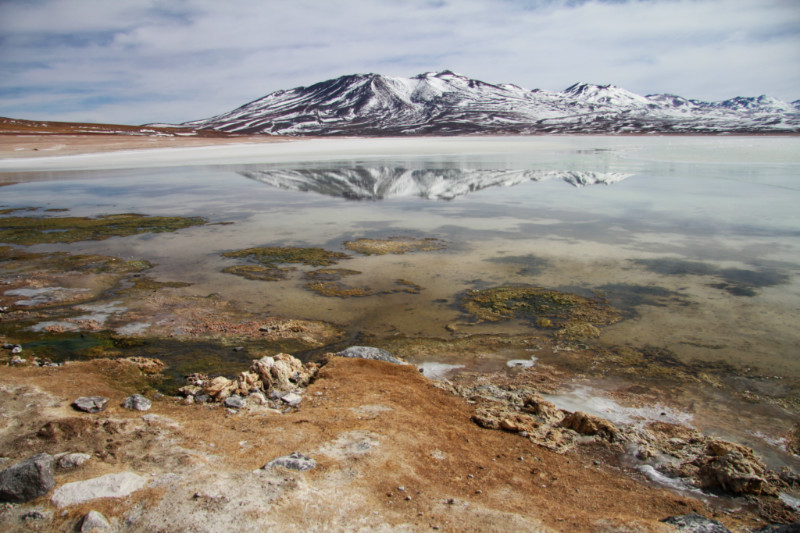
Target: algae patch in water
{"type": "Point", "coordinates": [271, 256]}
{"type": "Point", "coordinates": [46, 230]}
{"type": "Point", "coordinates": [576, 316]}
{"type": "Point", "coordinates": [258, 272]}
{"type": "Point", "coordinates": [330, 274]}
{"type": "Point", "coordinates": [394, 245]}
{"type": "Point", "coordinates": [339, 290]}
{"type": "Point", "coordinates": [17, 261]}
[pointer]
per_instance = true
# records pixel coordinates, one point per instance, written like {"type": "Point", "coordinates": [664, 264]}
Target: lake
{"type": "Point", "coordinates": [695, 240]}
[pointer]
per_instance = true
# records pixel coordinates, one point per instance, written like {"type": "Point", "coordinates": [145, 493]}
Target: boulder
{"type": "Point", "coordinates": [368, 352]}
{"type": "Point", "coordinates": [695, 523]}
{"type": "Point", "coordinates": [107, 486]}
{"type": "Point", "coordinates": [94, 521]}
{"type": "Point", "coordinates": [137, 402]}
{"type": "Point", "coordinates": [219, 388]}
{"type": "Point", "coordinates": [293, 461]}
{"type": "Point", "coordinates": [27, 480]}
{"type": "Point", "coordinates": [281, 372]}
{"type": "Point", "coordinates": [587, 424]}
{"type": "Point", "coordinates": [90, 404]}
{"type": "Point", "coordinates": [737, 471]}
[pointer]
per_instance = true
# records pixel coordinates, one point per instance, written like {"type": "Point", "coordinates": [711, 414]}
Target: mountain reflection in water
{"type": "Point", "coordinates": [383, 182]}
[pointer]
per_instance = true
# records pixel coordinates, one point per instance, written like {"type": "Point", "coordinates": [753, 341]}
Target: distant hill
{"type": "Point", "coordinates": [447, 103]}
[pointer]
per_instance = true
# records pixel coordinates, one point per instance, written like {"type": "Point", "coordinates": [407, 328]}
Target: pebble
{"type": "Point", "coordinates": [137, 402]}
{"type": "Point", "coordinates": [293, 461]}
{"type": "Point", "coordinates": [235, 402]}
{"type": "Point", "coordinates": [401, 488]}
{"type": "Point", "coordinates": [16, 349]}
{"type": "Point", "coordinates": [90, 404]}
{"type": "Point", "coordinates": [17, 360]}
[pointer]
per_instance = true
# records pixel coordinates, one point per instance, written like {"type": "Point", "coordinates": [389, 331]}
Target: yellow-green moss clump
{"type": "Point", "coordinates": [258, 272]}
{"type": "Point", "coordinates": [394, 245]}
{"type": "Point", "coordinates": [337, 290]}
{"type": "Point", "coordinates": [272, 256]}
{"type": "Point", "coordinates": [42, 230]}
{"type": "Point", "coordinates": [330, 274]}
{"type": "Point", "coordinates": [17, 261]}
{"type": "Point", "coordinates": [575, 316]}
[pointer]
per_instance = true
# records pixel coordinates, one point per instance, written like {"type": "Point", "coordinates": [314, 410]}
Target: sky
{"type": "Point", "coordinates": [141, 61]}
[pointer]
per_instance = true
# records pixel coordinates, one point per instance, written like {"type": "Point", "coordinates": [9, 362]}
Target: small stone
{"type": "Point", "coordinates": [137, 402]}
{"type": "Point", "coordinates": [32, 515]}
{"type": "Point", "coordinates": [450, 501]}
{"type": "Point", "coordinates": [17, 360]}
{"type": "Point", "coordinates": [368, 352]}
{"type": "Point", "coordinates": [479, 491]}
{"type": "Point", "coordinates": [94, 521]}
{"type": "Point", "coordinates": [292, 399]}
{"type": "Point", "coordinates": [234, 402]}
{"type": "Point", "coordinates": [90, 404]}
{"type": "Point", "coordinates": [401, 488]}
{"type": "Point", "coordinates": [116, 485]}
{"type": "Point", "coordinates": [202, 398]}
{"type": "Point", "coordinates": [238, 349]}
{"type": "Point", "coordinates": [72, 460]}
{"type": "Point", "coordinates": [27, 480]}
{"type": "Point", "coordinates": [470, 476]}
{"type": "Point", "coordinates": [293, 461]}
{"type": "Point", "coordinates": [695, 523]}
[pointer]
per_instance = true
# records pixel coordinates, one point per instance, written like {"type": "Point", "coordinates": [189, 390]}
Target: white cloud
{"type": "Point", "coordinates": [138, 61]}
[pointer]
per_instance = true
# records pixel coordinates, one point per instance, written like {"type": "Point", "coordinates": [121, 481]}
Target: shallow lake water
{"type": "Point", "coordinates": [695, 239]}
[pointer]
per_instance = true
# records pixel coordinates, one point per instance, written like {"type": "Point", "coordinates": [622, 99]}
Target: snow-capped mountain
{"type": "Point", "coordinates": [446, 103]}
{"type": "Point", "coordinates": [382, 182]}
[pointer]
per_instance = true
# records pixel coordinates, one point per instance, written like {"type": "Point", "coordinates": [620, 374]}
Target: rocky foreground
{"type": "Point", "coordinates": [346, 444]}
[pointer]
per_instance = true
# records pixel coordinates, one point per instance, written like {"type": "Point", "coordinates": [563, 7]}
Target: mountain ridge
{"type": "Point", "coordinates": [447, 103]}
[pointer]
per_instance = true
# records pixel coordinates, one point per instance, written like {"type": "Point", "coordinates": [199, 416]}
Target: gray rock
{"type": "Point", "coordinates": [292, 399]}
{"type": "Point", "coordinates": [138, 402]}
{"type": "Point", "coordinates": [27, 480]}
{"type": "Point", "coordinates": [107, 486]}
{"type": "Point", "coordinates": [17, 360]}
{"type": "Point", "coordinates": [235, 402]}
{"type": "Point", "coordinates": [90, 404]}
{"type": "Point", "coordinates": [293, 461]}
{"type": "Point", "coordinates": [695, 523]}
{"type": "Point", "coordinates": [94, 521]}
{"type": "Point", "coordinates": [368, 352]}
{"type": "Point", "coordinates": [72, 460]}
{"type": "Point", "coordinates": [779, 528]}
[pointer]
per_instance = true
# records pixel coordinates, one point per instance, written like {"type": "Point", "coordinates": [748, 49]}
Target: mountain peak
{"type": "Point", "coordinates": [447, 103]}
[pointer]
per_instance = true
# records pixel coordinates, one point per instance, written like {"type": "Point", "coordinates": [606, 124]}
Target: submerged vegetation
{"type": "Point", "coordinates": [576, 316]}
{"type": "Point", "coordinates": [394, 245]}
{"type": "Point", "coordinates": [47, 230]}
{"type": "Point", "coordinates": [271, 256]}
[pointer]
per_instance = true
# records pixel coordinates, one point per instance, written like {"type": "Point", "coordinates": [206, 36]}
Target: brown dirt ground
{"type": "Point", "coordinates": [25, 139]}
{"type": "Point", "coordinates": [372, 427]}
